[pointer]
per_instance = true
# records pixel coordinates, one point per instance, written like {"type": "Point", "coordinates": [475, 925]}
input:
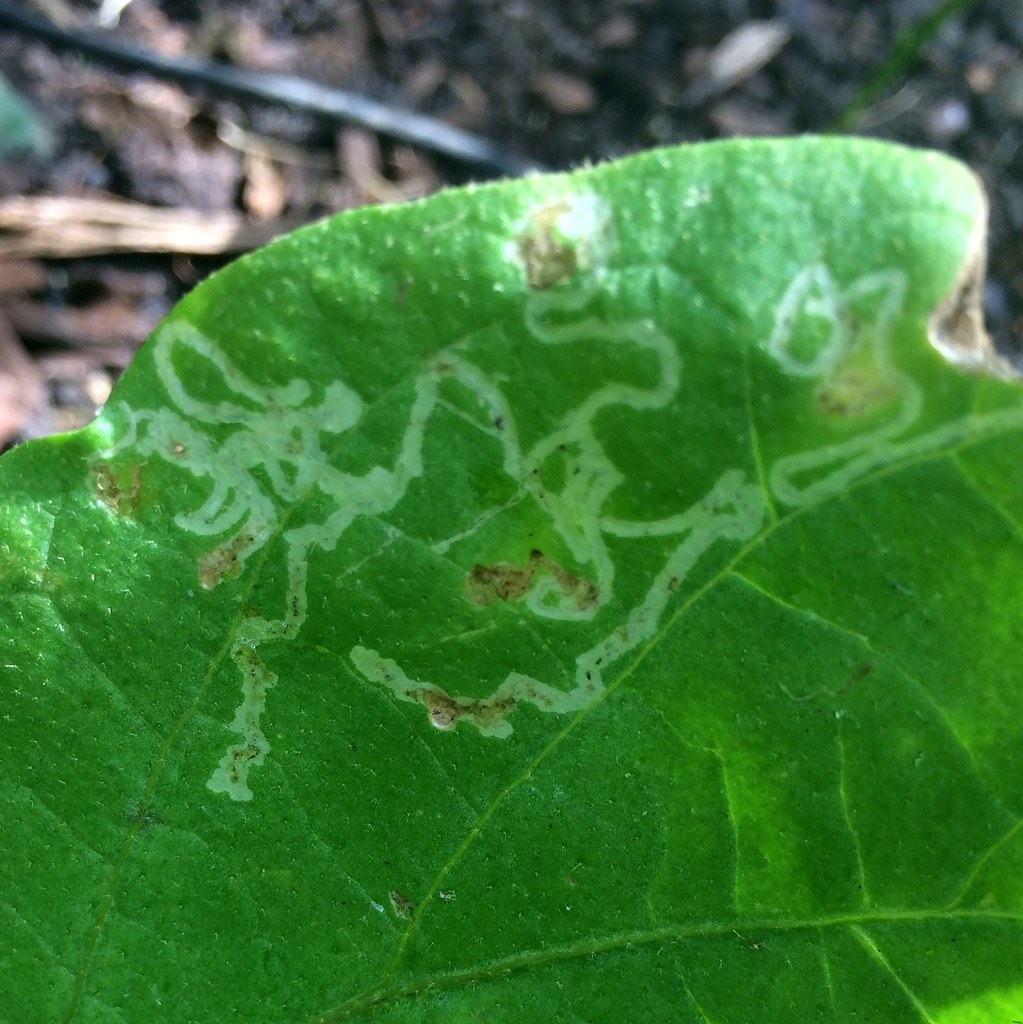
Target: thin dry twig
{"type": "Point", "coordinates": [336, 104]}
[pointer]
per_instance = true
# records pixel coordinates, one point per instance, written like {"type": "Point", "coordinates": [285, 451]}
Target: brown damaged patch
{"type": "Point", "coordinates": [584, 591]}
{"type": "Point", "coordinates": [119, 492]}
{"type": "Point", "coordinates": [502, 581]}
{"type": "Point", "coordinates": [861, 383]}
{"type": "Point", "coordinates": [856, 392]}
{"type": "Point", "coordinates": [401, 905]}
{"type": "Point", "coordinates": [956, 328]}
{"type": "Point", "coordinates": [446, 711]}
{"type": "Point", "coordinates": [489, 715]}
{"type": "Point", "coordinates": [224, 561]}
{"type": "Point", "coordinates": [549, 259]}
{"type": "Point", "coordinates": [485, 584]}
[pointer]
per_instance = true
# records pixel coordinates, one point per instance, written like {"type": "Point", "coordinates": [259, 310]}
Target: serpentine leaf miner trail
{"type": "Point", "coordinates": [837, 334]}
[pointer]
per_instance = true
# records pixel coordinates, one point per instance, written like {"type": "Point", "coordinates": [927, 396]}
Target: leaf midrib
{"type": "Point", "coordinates": [670, 933]}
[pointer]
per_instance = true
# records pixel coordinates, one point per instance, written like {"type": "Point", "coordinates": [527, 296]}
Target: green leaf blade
{"type": "Point", "coordinates": [580, 593]}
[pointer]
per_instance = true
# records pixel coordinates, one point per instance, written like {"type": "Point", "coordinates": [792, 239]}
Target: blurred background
{"type": "Point", "coordinates": [122, 185]}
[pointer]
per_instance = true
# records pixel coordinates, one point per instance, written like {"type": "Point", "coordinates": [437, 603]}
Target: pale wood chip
{"type": "Point", "coordinates": [64, 226]}
{"type": "Point", "coordinates": [266, 190]}
{"type": "Point", "coordinates": [22, 394]}
{"type": "Point", "coordinates": [564, 94]}
{"type": "Point", "coordinates": [743, 52]}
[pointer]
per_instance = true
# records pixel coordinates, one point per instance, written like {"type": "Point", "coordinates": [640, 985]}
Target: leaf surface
{"type": "Point", "coordinates": [590, 597]}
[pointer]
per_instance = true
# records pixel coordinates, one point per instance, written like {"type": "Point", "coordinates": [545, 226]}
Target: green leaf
{"type": "Point", "coordinates": [585, 598]}
{"type": "Point", "coordinates": [22, 130]}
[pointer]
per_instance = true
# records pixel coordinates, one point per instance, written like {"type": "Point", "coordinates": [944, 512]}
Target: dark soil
{"type": "Point", "coordinates": [560, 84]}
